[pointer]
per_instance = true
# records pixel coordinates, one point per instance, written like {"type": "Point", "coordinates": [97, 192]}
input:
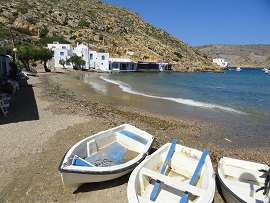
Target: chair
{"type": "Point", "coordinates": [4, 105]}
{"type": "Point", "coordinates": [15, 85]}
{"type": "Point", "coordinates": [3, 96]}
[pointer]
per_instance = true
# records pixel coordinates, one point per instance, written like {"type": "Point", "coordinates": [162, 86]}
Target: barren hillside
{"type": "Point", "coordinates": [256, 55]}
{"type": "Point", "coordinates": [103, 26]}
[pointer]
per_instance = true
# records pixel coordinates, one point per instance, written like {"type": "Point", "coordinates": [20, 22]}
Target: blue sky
{"type": "Point", "coordinates": [198, 22]}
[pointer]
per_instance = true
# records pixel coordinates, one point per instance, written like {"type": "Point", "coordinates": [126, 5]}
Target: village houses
{"type": "Point", "coordinates": [93, 60]}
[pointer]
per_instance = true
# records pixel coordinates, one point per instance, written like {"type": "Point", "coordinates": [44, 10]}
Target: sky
{"type": "Point", "coordinates": [198, 22]}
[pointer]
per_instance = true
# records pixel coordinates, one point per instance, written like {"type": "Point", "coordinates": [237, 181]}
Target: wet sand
{"type": "Point", "coordinates": [53, 111]}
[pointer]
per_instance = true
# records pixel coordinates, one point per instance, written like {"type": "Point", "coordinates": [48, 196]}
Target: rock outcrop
{"type": "Point", "coordinates": [25, 27]}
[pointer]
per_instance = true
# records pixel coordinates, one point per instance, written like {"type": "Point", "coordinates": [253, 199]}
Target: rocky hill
{"type": "Point", "coordinates": [103, 26]}
{"type": "Point", "coordinates": [256, 55]}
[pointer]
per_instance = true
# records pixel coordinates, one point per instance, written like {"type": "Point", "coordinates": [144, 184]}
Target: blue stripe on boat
{"type": "Point", "coordinates": [134, 136]}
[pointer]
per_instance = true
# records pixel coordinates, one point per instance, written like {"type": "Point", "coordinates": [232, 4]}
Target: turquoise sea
{"type": "Point", "coordinates": [245, 92]}
{"type": "Point", "coordinates": [240, 101]}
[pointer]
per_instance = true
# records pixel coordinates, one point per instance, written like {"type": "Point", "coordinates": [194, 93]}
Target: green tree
{"type": "Point", "coordinates": [26, 53]}
{"type": "Point", "coordinates": [63, 63]}
{"type": "Point", "coordinates": [45, 55]}
{"type": "Point", "coordinates": [9, 50]}
{"type": "Point", "coordinates": [76, 61]}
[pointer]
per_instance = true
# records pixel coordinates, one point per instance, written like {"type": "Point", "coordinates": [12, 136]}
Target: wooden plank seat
{"type": "Point", "coordinates": [133, 136]}
{"type": "Point", "coordinates": [250, 186]}
{"type": "Point", "coordinates": [172, 182]}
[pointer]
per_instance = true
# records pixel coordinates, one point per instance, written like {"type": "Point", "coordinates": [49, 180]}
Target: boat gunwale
{"type": "Point", "coordinates": [118, 168]}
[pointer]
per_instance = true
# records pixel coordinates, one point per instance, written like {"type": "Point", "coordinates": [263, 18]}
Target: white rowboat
{"type": "Point", "coordinates": [240, 179]}
{"type": "Point", "coordinates": [105, 156]}
{"type": "Point", "coordinates": [188, 177]}
{"type": "Point", "coordinates": [238, 69]}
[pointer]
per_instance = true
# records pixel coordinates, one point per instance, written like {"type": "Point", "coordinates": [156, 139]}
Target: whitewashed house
{"type": "Point", "coordinates": [99, 61]}
{"type": "Point", "coordinates": [61, 51]}
{"type": "Point", "coordinates": [92, 59]}
{"type": "Point", "coordinates": [83, 51]}
{"type": "Point", "coordinates": [220, 62]}
{"type": "Point", "coordinates": [122, 64]}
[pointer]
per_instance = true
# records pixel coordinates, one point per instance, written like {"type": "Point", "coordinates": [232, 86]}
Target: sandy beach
{"type": "Point", "coordinates": [53, 111]}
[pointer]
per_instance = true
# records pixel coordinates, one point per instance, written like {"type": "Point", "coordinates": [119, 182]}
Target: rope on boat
{"type": "Point", "coordinates": [103, 163]}
{"type": "Point", "coordinates": [100, 163]}
{"type": "Point", "coordinates": [266, 186]}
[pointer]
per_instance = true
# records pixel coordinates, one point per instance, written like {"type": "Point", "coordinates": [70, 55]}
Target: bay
{"type": "Point", "coordinates": [236, 103]}
{"type": "Point", "coordinates": [245, 92]}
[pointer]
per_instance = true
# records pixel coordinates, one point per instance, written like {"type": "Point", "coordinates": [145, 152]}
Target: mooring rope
{"type": "Point", "coordinates": [266, 186]}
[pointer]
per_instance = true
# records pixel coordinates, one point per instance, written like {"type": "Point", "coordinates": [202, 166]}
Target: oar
{"type": "Point", "coordinates": [195, 174]}
{"type": "Point", "coordinates": [153, 195]}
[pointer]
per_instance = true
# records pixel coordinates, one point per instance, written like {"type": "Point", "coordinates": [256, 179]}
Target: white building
{"type": "Point", "coordinates": [122, 64]}
{"type": "Point", "coordinates": [99, 61]}
{"type": "Point", "coordinates": [92, 59]}
{"type": "Point", "coordinates": [82, 51]}
{"type": "Point", "coordinates": [220, 62]}
{"type": "Point", "coordinates": [61, 51]}
{"type": "Point", "coordinates": [152, 66]}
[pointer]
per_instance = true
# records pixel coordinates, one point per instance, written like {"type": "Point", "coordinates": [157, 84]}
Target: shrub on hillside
{"type": "Point", "coordinates": [83, 23]}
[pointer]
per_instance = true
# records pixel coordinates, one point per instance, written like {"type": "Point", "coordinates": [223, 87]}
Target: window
{"type": "Point", "coordinates": [91, 56]}
{"type": "Point", "coordinates": [61, 53]}
{"type": "Point", "coordinates": [103, 58]}
{"type": "Point", "coordinates": [63, 47]}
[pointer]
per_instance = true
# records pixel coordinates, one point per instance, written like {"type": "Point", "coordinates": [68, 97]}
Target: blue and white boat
{"type": "Point", "coordinates": [173, 173]}
{"type": "Point", "coordinates": [105, 156]}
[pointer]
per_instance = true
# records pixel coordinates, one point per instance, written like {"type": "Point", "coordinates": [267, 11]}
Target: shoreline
{"type": "Point", "coordinates": [68, 111]}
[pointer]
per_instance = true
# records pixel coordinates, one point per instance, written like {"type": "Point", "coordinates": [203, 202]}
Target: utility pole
{"type": "Point", "coordinates": [14, 48]}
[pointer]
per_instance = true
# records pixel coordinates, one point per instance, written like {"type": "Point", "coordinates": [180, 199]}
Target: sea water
{"type": "Point", "coordinates": [239, 101]}
{"type": "Point", "coordinates": [245, 92]}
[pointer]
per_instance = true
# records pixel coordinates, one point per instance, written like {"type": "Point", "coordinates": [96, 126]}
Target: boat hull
{"type": "Point", "coordinates": [76, 179]}
{"type": "Point", "coordinates": [240, 179]}
{"type": "Point", "coordinates": [175, 180]}
{"type": "Point", "coordinates": [105, 156]}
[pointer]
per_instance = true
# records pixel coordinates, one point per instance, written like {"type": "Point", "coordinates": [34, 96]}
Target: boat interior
{"type": "Point", "coordinates": [116, 148]}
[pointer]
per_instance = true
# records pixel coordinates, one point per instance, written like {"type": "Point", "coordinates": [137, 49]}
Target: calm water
{"type": "Point", "coordinates": [245, 93]}
{"type": "Point", "coordinates": [237, 103]}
